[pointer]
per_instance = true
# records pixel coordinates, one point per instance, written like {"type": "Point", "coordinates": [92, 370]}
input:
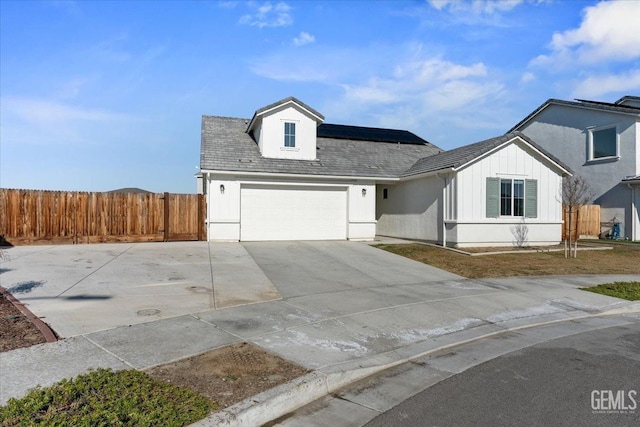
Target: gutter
{"type": "Point", "coordinates": [634, 231]}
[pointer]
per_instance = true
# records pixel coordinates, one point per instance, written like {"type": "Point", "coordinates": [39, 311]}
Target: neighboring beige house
{"type": "Point", "coordinates": [600, 141]}
{"type": "Point", "coordinates": [286, 175]}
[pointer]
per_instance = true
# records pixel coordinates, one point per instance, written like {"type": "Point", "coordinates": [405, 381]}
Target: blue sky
{"type": "Point", "coordinates": [101, 95]}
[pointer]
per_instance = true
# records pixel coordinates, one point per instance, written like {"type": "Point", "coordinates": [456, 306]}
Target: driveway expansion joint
{"type": "Point", "coordinates": [93, 272]}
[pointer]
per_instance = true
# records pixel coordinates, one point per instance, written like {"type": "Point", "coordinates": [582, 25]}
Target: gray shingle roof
{"type": "Point", "coordinates": [460, 156]}
{"type": "Point", "coordinates": [603, 106]}
{"type": "Point", "coordinates": [627, 98]}
{"type": "Point", "coordinates": [225, 146]}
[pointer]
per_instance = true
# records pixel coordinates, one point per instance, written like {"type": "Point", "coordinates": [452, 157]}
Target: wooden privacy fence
{"type": "Point", "coordinates": [584, 222]}
{"type": "Point", "coordinates": [34, 216]}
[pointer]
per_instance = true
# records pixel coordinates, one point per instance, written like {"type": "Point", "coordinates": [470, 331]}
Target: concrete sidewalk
{"type": "Point", "coordinates": [347, 310]}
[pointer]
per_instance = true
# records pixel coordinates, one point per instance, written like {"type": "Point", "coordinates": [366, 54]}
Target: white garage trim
{"type": "Point", "coordinates": [292, 212]}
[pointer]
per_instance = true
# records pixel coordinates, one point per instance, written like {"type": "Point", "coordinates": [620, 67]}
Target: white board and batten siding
{"type": "Point", "coordinates": [469, 225]}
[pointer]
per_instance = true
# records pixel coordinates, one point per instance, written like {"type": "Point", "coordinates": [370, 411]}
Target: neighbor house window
{"type": "Point", "coordinates": [603, 143]}
{"type": "Point", "coordinates": [385, 193]}
{"type": "Point", "coordinates": [512, 198]}
{"type": "Point", "coordinates": [289, 134]}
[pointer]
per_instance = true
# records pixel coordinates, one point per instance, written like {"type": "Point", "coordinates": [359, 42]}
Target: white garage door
{"type": "Point", "coordinates": [293, 213]}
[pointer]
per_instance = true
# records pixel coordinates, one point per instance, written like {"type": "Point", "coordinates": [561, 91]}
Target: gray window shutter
{"type": "Point", "coordinates": [531, 198]}
{"type": "Point", "coordinates": [493, 197]}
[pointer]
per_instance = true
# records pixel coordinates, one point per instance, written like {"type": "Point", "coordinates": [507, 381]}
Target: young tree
{"type": "Point", "coordinates": [575, 194]}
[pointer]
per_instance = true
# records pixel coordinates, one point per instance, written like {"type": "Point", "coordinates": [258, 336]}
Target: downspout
{"type": "Point", "coordinates": [206, 187]}
{"type": "Point", "coordinates": [633, 212]}
{"type": "Point", "coordinates": [444, 209]}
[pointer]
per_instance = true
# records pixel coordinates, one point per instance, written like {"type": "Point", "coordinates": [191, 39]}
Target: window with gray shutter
{"type": "Point", "coordinates": [493, 197]}
{"type": "Point", "coordinates": [531, 198]}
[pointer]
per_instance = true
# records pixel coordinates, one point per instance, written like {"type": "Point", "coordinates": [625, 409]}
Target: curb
{"type": "Point", "coordinates": [285, 398]}
{"type": "Point", "coordinates": [44, 329]}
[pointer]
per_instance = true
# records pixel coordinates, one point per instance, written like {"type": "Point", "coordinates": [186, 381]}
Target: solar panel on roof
{"type": "Point", "coordinates": [369, 134]}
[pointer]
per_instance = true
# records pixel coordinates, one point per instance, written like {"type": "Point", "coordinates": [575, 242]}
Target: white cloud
{"type": "Point", "coordinates": [303, 39]}
{"type": "Point", "coordinates": [402, 87]}
{"type": "Point", "coordinates": [527, 77]}
{"type": "Point", "coordinates": [424, 95]}
{"type": "Point", "coordinates": [597, 86]}
{"type": "Point", "coordinates": [608, 31]}
{"type": "Point", "coordinates": [34, 121]}
{"type": "Point", "coordinates": [42, 110]}
{"type": "Point", "coordinates": [434, 83]}
{"type": "Point", "coordinates": [475, 6]}
{"type": "Point", "coordinates": [268, 15]}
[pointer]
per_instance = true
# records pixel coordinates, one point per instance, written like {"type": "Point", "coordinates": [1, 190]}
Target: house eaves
{"type": "Point", "coordinates": [278, 104]}
{"type": "Point", "coordinates": [459, 158]}
{"type": "Point", "coordinates": [297, 176]}
{"type": "Point", "coordinates": [587, 105]}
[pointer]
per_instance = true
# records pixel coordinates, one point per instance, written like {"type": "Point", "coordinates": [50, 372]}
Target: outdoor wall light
{"type": "Point", "coordinates": [364, 192]}
{"type": "Point", "coordinates": [222, 188]}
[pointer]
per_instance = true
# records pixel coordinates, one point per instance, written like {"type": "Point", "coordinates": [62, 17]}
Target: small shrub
{"type": "Point", "coordinates": [106, 398]}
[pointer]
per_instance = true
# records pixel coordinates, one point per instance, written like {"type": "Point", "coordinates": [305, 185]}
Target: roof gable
{"type": "Point", "coordinates": [283, 103]}
{"type": "Point", "coordinates": [462, 157]}
{"type": "Point", "coordinates": [583, 104]}
{"type": "Point", "coordinates": [629, 100]}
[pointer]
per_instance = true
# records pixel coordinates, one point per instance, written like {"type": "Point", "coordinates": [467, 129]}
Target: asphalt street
{"type": "Point", "coordinates": [587, 379]}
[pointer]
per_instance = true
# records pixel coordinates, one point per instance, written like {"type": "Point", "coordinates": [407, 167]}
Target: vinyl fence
{"type": "Point", "coordinates": [36, 216]}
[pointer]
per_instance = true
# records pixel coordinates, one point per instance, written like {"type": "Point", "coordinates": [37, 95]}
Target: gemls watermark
{"type": "Point", "coordinates": [614, 401]}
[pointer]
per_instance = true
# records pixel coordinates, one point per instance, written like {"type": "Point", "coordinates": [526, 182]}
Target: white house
{"type": "Point", "coordinates": [601, 142]}
{"type": "Point", "coordinates": [285, 175]}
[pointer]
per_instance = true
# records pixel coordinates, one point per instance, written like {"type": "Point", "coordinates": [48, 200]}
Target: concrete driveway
{"type": "Point", "coordinates": [342, 309]}
{"type": "Point", "coordinates": [79, 289]}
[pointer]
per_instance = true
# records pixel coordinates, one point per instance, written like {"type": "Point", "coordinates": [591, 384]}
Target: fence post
{"type": "Point", "coordinates": [166, 217]}
{"type": "Point", "coordinates": [201, 213]}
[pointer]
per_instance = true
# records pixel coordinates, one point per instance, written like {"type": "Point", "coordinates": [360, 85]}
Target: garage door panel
{"type": "Point", "coordinates": [293, 213]}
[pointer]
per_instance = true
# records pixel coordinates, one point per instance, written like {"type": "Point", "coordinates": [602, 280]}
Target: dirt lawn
{"type": "Point", "coordinates": [230, 374]}
{"type": "Point", "coordinates": [622, 259]}
{"type": "Point", "coordinates": [16, 331]}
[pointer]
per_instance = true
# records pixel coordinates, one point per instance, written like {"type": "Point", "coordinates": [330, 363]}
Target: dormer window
{"type": "Point", "coordinates": [289, 134]}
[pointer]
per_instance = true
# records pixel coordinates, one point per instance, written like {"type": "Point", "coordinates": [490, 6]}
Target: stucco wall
{"type": "Point", "coordinates": [413, 209]}
{"type": "Point", "coordinates": [563, 131]}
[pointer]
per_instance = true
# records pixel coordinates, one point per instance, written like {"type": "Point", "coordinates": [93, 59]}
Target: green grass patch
{"type": "Point", "coordinates": [106, 398]}
{"type": "Point", "coordinates": [625, 290]}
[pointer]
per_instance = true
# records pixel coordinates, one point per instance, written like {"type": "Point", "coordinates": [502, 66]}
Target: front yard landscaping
{"type": "Point", "coordinates": [106, 398]}
{"type": "Point", "coordinates": [174, 394]}
{"type": "Point", "coordinates": [622, 259]}
{"type": "Point", "coordinates": [625, 290]}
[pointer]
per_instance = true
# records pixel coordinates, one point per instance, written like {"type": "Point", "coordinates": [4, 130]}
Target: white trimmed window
{"type": "Point", "coordinates": [512, 198]}
{"type": "Point", "coordinates": [289, 134]}
{"type": "Point", "coordinates": [604, 143]}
